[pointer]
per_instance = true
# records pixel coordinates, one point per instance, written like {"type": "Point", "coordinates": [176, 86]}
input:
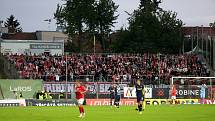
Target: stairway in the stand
{"type": "Point", "coordinates": [7, 70]}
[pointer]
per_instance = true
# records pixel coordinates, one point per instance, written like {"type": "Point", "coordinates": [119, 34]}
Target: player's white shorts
{"type": "Point", "coordinates": [173, 97]}
{"type": "Point", "coordinates": [202, 95]}
{"type": "Point", "coordinates": [81, 101]}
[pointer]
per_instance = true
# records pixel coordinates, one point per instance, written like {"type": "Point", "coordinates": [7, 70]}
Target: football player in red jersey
{"type": "Point", "coordinates": [80, 90]}
{"type": "Point", "coordinates": [173, 94]}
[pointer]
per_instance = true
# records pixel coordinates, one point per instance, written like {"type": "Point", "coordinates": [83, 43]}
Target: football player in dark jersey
{"type": "Point", "coordinates": [140, 92]}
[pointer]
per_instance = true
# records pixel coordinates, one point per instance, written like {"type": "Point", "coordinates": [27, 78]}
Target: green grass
{"type": "Point", "coordinates": [106, 113]}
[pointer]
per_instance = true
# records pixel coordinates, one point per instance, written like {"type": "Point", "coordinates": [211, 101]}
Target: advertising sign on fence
{"type": "Point", "coordinates": [167, 101]}
{"type": "Point", "coordinates": [102, 102]}
{"type": "Point", "coordinates": [206, 101]}
{"type": "Point", "coordinates": [194, 92]}
{"type": "Point", "coordinates": [160, 93]}
{"type": "Point", "coordinates": [10, 88]}
{"type": "Point", "coordinates": [6, 103]}
{"type": "Point", "coordinates": [182, 93]}
{"type": "Point", "coordinates": [32, 102]}
{"type": "Point", "coordinates": [130, 92]}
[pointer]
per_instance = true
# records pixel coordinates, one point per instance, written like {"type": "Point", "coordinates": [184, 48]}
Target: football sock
{"type": "Point", "coordinates": [82, 109]}
{"type": "Point", "coordinates": [117, 104]}
{"type": "Point", "coordinates": [79, 109]}
{"type": "Point", "coordinates": [140, 108]}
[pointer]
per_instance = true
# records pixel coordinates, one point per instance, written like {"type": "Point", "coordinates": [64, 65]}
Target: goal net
{"type": "Point", "coordinates": [194, 87]}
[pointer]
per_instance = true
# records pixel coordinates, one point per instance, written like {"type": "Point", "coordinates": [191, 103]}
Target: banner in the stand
{"type": "Point", "coordinates": [100, 87]}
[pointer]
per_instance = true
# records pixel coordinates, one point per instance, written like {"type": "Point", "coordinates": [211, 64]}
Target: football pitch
{"type": "Point", "coordinates": [106, 113]}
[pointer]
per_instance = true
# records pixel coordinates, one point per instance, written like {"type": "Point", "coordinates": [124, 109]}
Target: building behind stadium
{"type": "Point", "coordinates": [35, 43]}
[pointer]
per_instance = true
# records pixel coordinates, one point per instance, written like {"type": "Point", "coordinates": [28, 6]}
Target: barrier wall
{"type": "Point", "coordinates": [100, 90]}
{"type": "Point", "coordinates": [96, 90]}
{"type": "Point", "coordinates": [103, 102]}
{"type": "Point", "coordinates": [97, 94]}
{"type": "Point", "coordinates": [27, 87]}
{"type": "Point", "coordinates": [98, 102]}
{"type": "Point", "coordinates": [8, 103]}
{"type": "Point", "coordinates": [31, 102]}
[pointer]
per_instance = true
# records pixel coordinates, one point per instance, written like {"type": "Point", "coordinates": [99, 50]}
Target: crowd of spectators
{"type": "Point", "coordinates": [151, 68]}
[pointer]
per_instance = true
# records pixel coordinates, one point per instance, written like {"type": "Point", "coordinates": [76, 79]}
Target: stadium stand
{"type": "Point", "coordinates": [152, 68]}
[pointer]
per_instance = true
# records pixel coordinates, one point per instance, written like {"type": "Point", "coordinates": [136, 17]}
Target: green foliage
{"type": "Point", "coordinates": [58, 15]}
{"type": "Point", "coordinates": [70, 47]}
{"type": "Point", "coordinates": [150, 5]}
{"type": "Point", "coordinates": [91, 16]}
{"type": "Point", "coordinates": [151, 29]}
{"type": "Point", "coordinates": [13, 24]}
{"type": "Point", "coordinates": [105, 10]}
{"type": "Point", "coordinates": [75, 14]}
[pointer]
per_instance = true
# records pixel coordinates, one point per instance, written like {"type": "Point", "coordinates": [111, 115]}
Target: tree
{"type": "Point", "coordinates": [73, 15]}
{"type": "Point", "coordinates": [70, 47]}
{"type": "Point", "coordinates": [171, 37]}
{"type": "Point", "coordinates": [212, 24]}
{"type": "Point", "coordinates": [150, 5]}
{"type": "Point", "coordinates": [105, 11]}
{"type": "Point", "coordinates": [151, 29]}
{"type": "Point", "coordinates": [13, 24]}
{"type": "Point", "coordinates": [91, 16]}
{"type": "Point", "coordinates": [58, 15]}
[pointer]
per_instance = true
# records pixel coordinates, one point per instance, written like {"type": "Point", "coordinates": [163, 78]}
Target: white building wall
{"type": "Point", "coordinates": [51, 35]}
{"type": "Point", "coordinates": [25, 46]}
{"type": "Point", "coordinates": [14, 48]}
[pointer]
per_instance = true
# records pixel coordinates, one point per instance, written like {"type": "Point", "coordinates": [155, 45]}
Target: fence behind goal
{"type": "Point", "coordinates": [194, 87]}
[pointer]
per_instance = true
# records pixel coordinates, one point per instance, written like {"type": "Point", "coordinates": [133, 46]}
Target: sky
{"type": "Point", "coordinates": [32, 13]}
